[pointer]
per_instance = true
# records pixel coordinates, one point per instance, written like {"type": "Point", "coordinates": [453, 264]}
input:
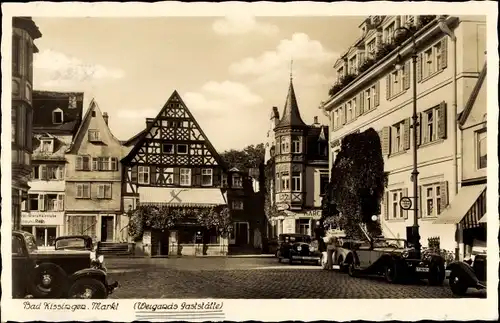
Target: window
{"type": "Point", "coordinates": [83, 190]}
{"type": "Point", "coordinates": [32, 202]}
{"type": "Point", "coordinates": [104, 191]}
{"type": "Point", "coordinates": [432, 200]}
{"type": "Point", "coordinates": [207, 177]}
{"type": "Point", "coordinates": [237, 181]}
{"type": "Point", "coordinates": [185, 176]}
{"type": "Point", "coordinates": [182, 149]}
{"type": "Point", "coordinates": [72, 103]}
{"type": "Point", "coordinates": [16, 54]}
{"type": "Point", "coordinates": [296, 145]}
{"type": "Point", "coordinates": [143, 172]}
{"type": "Point", "coordinates": [285, 182]}
{"type": "Point", "coordinates": [224, 180]}
{"type": "Point", "coordinates": [371, 48]}
{"type": "Point", "coordinates": [94, 135]}
{"type": "Point", "coordinates": [17, 244]}
{"type": "Point", "coordinates": [82, 224]}
{"type": "Point", "coordinates": [428, 61]}
{"type": "Point", "coordinates": [296, 182]}
{"type": "Point", "coordinates": [52, 172]}
{"type": "Point", "coordinates": [430, 122]}
{"type": "Point", "coordinates": [336, 119]}
{"type": "Point", "coordinates": [93, 114]}
{"type": "Point", "coordinates": [172, 124]}
{"type": "Point", "coordinates": [396, 212]}
{"type": "Point", "coordinates": [285, 145]}
{"type": "Point", "coordinates": [14, 124]}
{"type": "Point", "coordinates": [481, 149]}
{"type": "Point", "coordinates": [397, 81]}
{"type": "Point", "coordinates": [352, 65]}
{"type": "Point", "coordinates": [57, 116]}
{"type": "Point", "coordinates": [52, 202]}
{"type": "Point", "coordinates": [323, 183]}
{"type": "Point", "coordinates": [349, 112]}
{"type": "Point", "coordinates": [341, 121]}
{"type": "Point", "coordinates": [104, 163]}
{"type": "Point", "coordinates": [168, 148]}
{"type": "Point", "coordinates": [83, 163]}
{"type": "Point", "coordinates": [47, 145]}
{"type": "Point", "coordinates": [303, 226]}
{"type": "Point", "coordinates": [437, 56]}
{"type": "Point", "coordinates": [368, 100]}
{"type": "Point", "coordinates": [433, 60]}
{"type": "Point", "coordinates": [237, 205]}
{"type": "Point", "coordinates": [397, 132]}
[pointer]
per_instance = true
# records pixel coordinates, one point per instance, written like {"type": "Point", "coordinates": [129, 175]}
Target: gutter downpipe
{"type": "Point", "coordinates": [459, 246]}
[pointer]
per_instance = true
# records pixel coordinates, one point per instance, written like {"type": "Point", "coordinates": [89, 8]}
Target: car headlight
{"type": "Point", "coordinates": [299, 248]}
{"type": "Point", "coordinates": [405, 254]}
{"type": "Point", "coordinates": [312, 249]}
{"type": "Point", "coordinates": [100, 259]}
{"type": "Point", "coordinates": [93, 255]}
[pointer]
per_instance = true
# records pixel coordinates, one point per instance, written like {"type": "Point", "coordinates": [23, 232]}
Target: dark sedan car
{"type": "Point", "coordinates": [298, 248]}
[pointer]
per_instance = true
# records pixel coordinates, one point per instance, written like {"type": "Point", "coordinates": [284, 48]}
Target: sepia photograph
{"type": "Point", "coordinates": [237, 156]}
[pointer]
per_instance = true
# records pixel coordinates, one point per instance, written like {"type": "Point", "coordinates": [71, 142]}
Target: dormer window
{"type": "Point", "coordinates": [57, 116]}
{"type": "Point", "coordinates": [47, 145]}
{"type": "Point", "coordinates": [72, 102]}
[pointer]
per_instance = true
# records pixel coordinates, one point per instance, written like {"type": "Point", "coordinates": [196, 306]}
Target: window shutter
{"type": "Point", "coordinates": [419, 196]}
{"type": "Point", "coordinates": [406, 126]}
{"type": "Point", "coordinates": [443, 188]}
{"type": "Point", "coordinates": [152, 175]}
{"type": "Point", "coordinates": [196, 176]}
{"type": "Point", "coordinates": [405, 194]}
{"type": "Point", "coordinates": [41, 202]}
{"type": "Point", "coordinates": [361, 102]}
{"type": "Point", "coordinates": [79, 190]}
{"type": "Point", "coordinates": [216, 177]}
{"type": "Point", "coordinates": [386, 142]}
{"type": "Point", "coordinates": [377, 93]}
{"type": "Point", "coordinates": [386, 205]}
{"type": "Point", "coordinates": [442, 120]}
{"type": "Point", "coordinates": [107, 191]}
{"type": "Point", "coordinates": [418, 128]}
{"type": "Point", "coordinates": [357, 108]}
{"type": "Point", "coordinates": [114, 164]}
{"type": "Point", "coordinates": [133, 174]}
{"type": "Point", "coordinates": [100, 191]}
{"type": "Point", "coordinates": [43, 172]}
{"type": "Point", "coordinates": [419, 68]}
{"type": "Point", "coordinates": [177, 176]}
{"type": "Point", "coordinates": [388, 86]}
{"type": "Point", "coordinates": [407, 75]}
{"type": "Point", "coordinates": [60, 202]}
{"type": "Point", "coordinates": [444, 52]}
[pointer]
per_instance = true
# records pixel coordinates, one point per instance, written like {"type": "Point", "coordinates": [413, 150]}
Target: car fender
{"type": "Point", "coordinates": [351, 255]}
{"type": "Point", "coordinates": [465, 270]}
{"type": "Point", "coordinates": [98, 274]}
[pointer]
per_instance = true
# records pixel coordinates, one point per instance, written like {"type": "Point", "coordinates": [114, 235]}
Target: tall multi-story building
{"type": "Point", "coordinates": [56, 118]}
{"type": "Point", "coordinates": [296, 170]}
{"type": "Point", "coordinates": [374, 90]}
{"type": "Point", "coordinates": [93, 180]}
{"type": "Point", "coordinates": [24, 32]}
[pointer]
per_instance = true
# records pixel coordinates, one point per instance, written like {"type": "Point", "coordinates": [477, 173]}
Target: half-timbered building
{"type": "Point", "coordinates": [172, 166]}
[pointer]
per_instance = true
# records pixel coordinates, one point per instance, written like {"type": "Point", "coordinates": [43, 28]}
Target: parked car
{"type": "Point", "coordinates": [468, 274]}
{"type": "Point", "coordinates": [58, 273]}
{"type": "Point", "coordinates": [298, 247]}
{"type": "Point", "coordinates": [74, 242]}
{"type": "Point", "coordinates": [394, 260]}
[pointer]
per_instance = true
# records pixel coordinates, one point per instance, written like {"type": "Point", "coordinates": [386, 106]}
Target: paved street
{"type": "Point", "coordinates": [250, 278]}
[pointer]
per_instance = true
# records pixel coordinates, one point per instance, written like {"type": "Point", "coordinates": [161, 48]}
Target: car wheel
{"type": "Point", "coordinates": [351, 268]}
{"type": "Point", "coordinates": [457, 284]}
{"type": "Point", "coordinates": [88, 288]}
{"type": "Point", "coordinates": [436, 274]}
{"type": "Point", "coordinates": [391, 272]}
{"type": "Point", "coordinates": [49, 281]}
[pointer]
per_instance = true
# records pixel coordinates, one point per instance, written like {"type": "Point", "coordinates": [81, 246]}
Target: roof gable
{"type": "Point", "coordinates": [93, 120]}
{"type": "Point", "coordinates": [174, 123]}
{"type": "Point", "coordinates": [478, 93]}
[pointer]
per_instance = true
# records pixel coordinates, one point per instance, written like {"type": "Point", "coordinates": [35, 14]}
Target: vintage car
{"type": "Point", "coordinates": [59, 273]}
{"type": "Point", "coordinates": [467, 274]}
{"type": "Point", "coordinates": [298, 247]}
{"type": "Point", "coordinates": [394, 260]}
{"type": "Point", "coordinates": [75, 242]}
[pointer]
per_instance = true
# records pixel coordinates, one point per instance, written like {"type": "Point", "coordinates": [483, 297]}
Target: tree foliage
{"type": "Point", "coordinates": [357, 183]}
{"type": "Point", "coordinates": [166, 217]}
{"type": "Point", "coordinates": [250, 157]}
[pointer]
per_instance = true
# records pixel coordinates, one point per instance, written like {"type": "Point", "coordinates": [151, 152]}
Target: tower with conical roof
{"type": "Point", "coordinates": [290, 155]}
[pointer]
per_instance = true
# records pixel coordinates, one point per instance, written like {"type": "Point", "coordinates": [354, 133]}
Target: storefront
{"type": "Point", "coordinates": [303, 222]}
{"type": "Point", "coordinates": [45, 226]}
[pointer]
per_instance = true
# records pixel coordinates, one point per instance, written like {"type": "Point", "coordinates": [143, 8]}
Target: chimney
{"type": "Point", "coordinates": [316, 123]}
{"type": "Point", "coordinates": [105, 117]}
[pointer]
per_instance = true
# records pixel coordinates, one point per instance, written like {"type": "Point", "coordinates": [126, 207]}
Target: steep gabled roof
{"type": "Point", "coordinates": [134, 138]}
{"type": "Point", "coordinates": [291, 114]}
{"type": "Point", "coordinates": [462, 118]}
{"type": "Point", "coordinates": [144, 133]}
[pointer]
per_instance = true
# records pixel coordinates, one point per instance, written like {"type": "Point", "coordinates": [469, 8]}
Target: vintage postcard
{"type": "Point", "coordinates": [249, 161]}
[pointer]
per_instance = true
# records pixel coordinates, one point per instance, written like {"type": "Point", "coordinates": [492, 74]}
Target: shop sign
{"type": "Point", "coordinates": [42, 218]}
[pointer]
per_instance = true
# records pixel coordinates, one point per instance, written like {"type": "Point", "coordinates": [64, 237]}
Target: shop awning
{"type": "Point", "coordinates": [461, 204]}
{"type": "Point", "coordinates": [182, 197]}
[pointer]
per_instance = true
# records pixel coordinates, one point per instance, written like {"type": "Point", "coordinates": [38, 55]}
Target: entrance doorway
{"type": "Point", "coordinates": [159, 242]}
{"type": "Point", "coordinates": [107, 228]}
{"type": "Point", "coordinates": [241, 237]}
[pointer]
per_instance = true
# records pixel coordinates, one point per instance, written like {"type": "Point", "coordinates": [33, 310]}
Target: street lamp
{"type": "Point", "coordinates": [415, 229]}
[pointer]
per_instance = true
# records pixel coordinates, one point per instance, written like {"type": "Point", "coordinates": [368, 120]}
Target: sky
{"type": "Point", "coordinates": [230, 71]}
